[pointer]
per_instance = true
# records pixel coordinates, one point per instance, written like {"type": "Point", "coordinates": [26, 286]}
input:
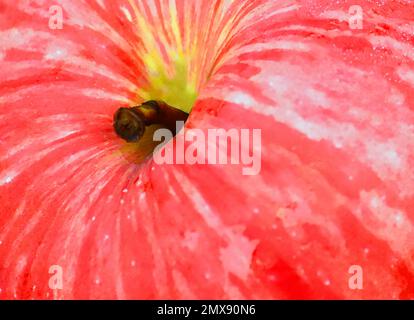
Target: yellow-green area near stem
{"type": "Point", "coordinates": [168, 79]}
{"type": "Point", "coordinates": [175, 89]}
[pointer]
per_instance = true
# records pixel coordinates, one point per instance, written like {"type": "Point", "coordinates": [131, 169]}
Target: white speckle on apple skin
{"type": "Point", "coordinates": [190, 240]}
{"type": "Point", "coordinates": [375, 202]}
{"type": "Point", "coordinates": [101, 3]}
{"type": "Point", "coordinates": [399, 219]}
{"type": "Point", "coordinates": [7, 179]}
{"type": "Point", "coordinates": [126, 13]}
{"type": "Point", "coordinates": [272, 278]}
{"type": "Point", "coordinates": [242, 98]}
{"type": "Point", "coordinates": [55, 53]}
{"type": "Point", "coordinates": [406, 75]}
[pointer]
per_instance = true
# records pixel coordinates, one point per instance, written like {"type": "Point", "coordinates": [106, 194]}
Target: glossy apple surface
{"type": "Point", "coordinates": [336, 187]}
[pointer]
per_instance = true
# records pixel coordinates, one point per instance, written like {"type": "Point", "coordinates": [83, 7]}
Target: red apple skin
{"type": "Point", "coordinates": [336, 187]}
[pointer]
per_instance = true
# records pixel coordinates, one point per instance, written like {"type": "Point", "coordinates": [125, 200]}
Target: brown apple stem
{"type": "Point", "coordinates": [130, 123]}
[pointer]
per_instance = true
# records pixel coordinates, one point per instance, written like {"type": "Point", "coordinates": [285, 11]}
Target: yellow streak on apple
{"type": "Point", "coordinates": [170, 81]}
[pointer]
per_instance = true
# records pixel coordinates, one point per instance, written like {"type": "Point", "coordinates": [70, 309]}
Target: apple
{"type": "Point", "coordinates": [86, 215]}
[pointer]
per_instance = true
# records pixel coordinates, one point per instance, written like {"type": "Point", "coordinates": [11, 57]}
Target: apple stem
{"type": "Point", "coordinates": [130, 123]}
